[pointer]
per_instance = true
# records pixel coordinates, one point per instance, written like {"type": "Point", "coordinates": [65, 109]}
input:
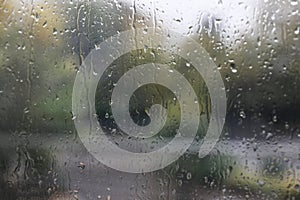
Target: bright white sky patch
{"type": "Point", "coordinates": [235, 17]}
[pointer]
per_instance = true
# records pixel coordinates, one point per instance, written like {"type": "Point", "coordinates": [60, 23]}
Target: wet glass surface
{"type": "Point", "coordinates": [255, 46]}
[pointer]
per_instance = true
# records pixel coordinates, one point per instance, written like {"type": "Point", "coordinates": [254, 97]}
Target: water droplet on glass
{"type": "Point", "coordinates": [261, 183]}
{"type": "Point", "coordinates": [233, 68]}
{"type": "Point", "coordinates": [95, 73]}
{"type": "Point", "coordinates": [54, 31]}
{"type": "Point", "coordinates": [297, 30]}
{"type": "Point", "coordinates": [294, 2]}
{"type": "Point", "coordinates": [242, 114]}
{"type": "Point", "coordinates": [275, 118]}
{"type": "Point", "coordinates": [45, 24]}
{"type": "Point", "coordinates": [188, 176]}
{"type": "Point", "coordinates": [269, 135]}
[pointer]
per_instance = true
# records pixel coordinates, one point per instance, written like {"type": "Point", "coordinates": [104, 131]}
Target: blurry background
{"type": "Point", "coordinates": [256, 46]}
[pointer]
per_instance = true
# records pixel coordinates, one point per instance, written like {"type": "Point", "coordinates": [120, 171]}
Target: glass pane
{"type": "Point", "coordinates": [149, 99]}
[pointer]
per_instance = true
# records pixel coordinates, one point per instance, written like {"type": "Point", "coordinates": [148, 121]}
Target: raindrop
{"type": "Point", "coordinates": [261, 183]}
{"type": "Point", "coordinates": [242, 114]}
{"type": "Point", "coordinates": [188, 176]}
{"type": "Point", "coordinates": [54, 31]}
{"type": "Point", "coordinates": [179, 182]}
{"type": "Point", "coordinates": [233, 68]}
{"type": "Point", "coordinates": [255, 146]}
{"type": "Point", "coordinates": [44, 24]}
{"type": "Point", "coordinates": [286, 126]}
{"type": "Point", "coordinates": [81, 165]}
{"type": "Point", "coordinates": [294, 2]}
{"type": "Point", "coordinates": [275, 119]}
{"type": "Point", "coordinates": [26, 110]}
{"type": "Point", "coordinates": [95, 73]}
{"type": "Point", "coordinates": [269, 135]}
{"type": "Point", "coordinates": [297, 30]}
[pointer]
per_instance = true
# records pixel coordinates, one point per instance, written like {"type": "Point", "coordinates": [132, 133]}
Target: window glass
{"type": "Point", "coordinates": [119, 99]}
